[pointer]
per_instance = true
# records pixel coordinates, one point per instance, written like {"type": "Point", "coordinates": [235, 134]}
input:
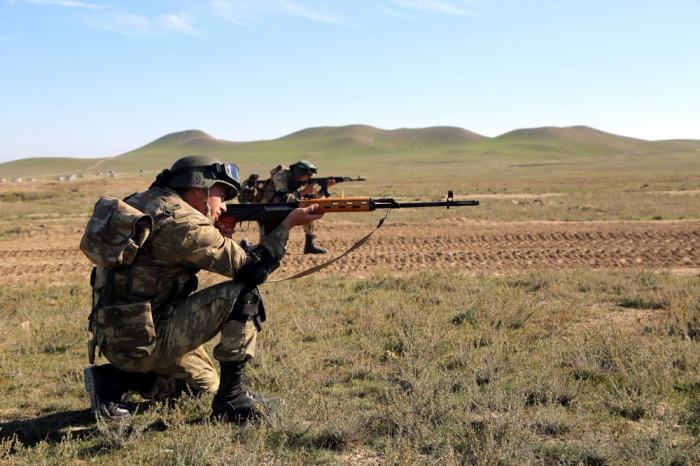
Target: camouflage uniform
{"type": "Point", "coordinates": [278, 190]}
{"type": "Point", "coordinates": [160, 282]}
{"type": "Point", "coordinates": [248, 191]}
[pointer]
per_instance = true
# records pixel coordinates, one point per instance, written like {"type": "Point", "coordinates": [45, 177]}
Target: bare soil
{"type": "Point", "coordinates": [475, 247]}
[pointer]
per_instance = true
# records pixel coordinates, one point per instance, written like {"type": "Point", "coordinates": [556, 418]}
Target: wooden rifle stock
{"type": "Point", "coordinates": [272, 214]}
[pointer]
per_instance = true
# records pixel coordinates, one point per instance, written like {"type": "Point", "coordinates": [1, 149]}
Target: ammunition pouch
{"type": "Point", "coordinates": [126, 329]}
{"type": "Point", "coordinates": [115, 233]}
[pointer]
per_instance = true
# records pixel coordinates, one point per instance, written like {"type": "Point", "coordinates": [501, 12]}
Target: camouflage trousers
{"type": "Point", "coordinates": [181, 331]}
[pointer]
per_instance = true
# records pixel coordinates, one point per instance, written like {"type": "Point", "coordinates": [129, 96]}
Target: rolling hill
{"type": "Point", "coordinates": [574, 140]}
{"type": "Point", "coordinates": [353, 146]}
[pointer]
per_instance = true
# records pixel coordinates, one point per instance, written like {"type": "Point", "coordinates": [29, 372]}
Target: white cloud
{"type": "Point", "coordinates": [66, 3]}
{"type": "Point", "coordinates": [299, 10]}
{"type": "Point", "coordinates": [140, 26]}
{"type": "Point", "coordinates": [243, 11]}
{"type": "Point", "coordinates": [177, 23]}
{"type": "Point", "coordinates": [126, 24]}
{"type": "Point", "coordinates": [391, 12]}
{"type": "Point", "coordinates": [224, 10]}
{"type": "Point", "coordinates": [432, 6]}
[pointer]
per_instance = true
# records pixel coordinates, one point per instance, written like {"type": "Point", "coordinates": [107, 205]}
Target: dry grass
{"type": "Point", "coordinates": [573, 197]}
{"type": "Point", "coordinates": [542, 367]}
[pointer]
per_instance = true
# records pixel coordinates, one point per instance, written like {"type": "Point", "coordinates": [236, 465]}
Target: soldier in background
{"type": "Point", "coordinates": [147, 319]}
{"type": "Point", "coordinates": [284, 187]}
{"type": "Point", "coordinates": [249, 189]}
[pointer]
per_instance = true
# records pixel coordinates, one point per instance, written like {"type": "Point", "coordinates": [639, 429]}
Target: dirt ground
{"type": "Point", "coordinates": [475, 247]}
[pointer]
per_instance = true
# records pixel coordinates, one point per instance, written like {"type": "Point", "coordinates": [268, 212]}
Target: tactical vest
{"type": "Point", "coordinates": [147, 278]}
{"type": "Point", "coordinates": [270, 192]}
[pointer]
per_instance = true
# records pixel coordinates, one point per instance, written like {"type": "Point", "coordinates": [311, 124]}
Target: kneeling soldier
{"type": "Point", "coordinates": [147, 319]}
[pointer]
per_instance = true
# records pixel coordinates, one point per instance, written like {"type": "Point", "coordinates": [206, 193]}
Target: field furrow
{"type": "Point", "coordinates": [410, 247]}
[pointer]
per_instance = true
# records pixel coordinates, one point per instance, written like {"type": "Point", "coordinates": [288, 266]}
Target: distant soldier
{"type": "Point", "coordinates": [249, 189]}
{"type": "Point", "coordinates": [284, 186]}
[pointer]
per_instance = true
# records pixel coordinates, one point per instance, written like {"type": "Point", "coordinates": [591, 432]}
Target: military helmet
{"type": "Point", "coordinates": [203, 171]}
{"type": "Point", "coordinates": [303, 167]}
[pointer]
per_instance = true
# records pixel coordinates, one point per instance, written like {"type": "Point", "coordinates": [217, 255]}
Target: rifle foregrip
{"type": "Point", "coordinates": [348, 204]}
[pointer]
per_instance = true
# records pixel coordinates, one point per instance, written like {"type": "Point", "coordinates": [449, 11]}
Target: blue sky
{"type": "Point", "coordinates": [97, 78]}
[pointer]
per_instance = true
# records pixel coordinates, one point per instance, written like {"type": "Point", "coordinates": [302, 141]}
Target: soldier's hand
{"type": "Point", "coordinates": [308, 190]}
{"type": "Point", "coordinates": [303, 216]}
{"type": "Point", "coordinates": [330, 182]}
{"type": "Point", "coordinates": [224, 230]}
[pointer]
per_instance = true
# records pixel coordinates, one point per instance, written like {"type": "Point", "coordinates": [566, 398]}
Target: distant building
{"type": "Point", "coordinates": [112, 174]}
{"type": "Point", "coordinates": [2, 180]}
{"type": "Point", "coordinates": [16, 180]}
{"type": "Point", "coordinates": [141, 170]}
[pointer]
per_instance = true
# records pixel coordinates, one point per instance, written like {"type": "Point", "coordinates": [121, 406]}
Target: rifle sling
{"type": "Point", "coordinates": [326, 264]}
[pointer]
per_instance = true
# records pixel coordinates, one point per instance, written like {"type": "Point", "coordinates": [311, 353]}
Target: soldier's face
{"type": "Point", "coordinates": [197, 198]}
{"type": "Point", "coordinates": [217, 194]}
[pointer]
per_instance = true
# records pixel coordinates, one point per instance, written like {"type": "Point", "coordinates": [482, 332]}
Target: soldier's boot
{"type": "Point", "coordinates": [311, 248]}
{"type": "Point", "coordinates": [233, 402]}
{"type": "Point", "coordinates": [107, 384]}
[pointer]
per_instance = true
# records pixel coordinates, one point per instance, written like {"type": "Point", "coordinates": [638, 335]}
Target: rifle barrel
{"type": "Point", "coordinates": [389, 203]}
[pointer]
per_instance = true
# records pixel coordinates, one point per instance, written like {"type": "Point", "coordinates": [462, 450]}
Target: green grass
{"type": "Point", "coordinates": [361, 149]}
{"type": "Point", "coordinates": [543, 367]}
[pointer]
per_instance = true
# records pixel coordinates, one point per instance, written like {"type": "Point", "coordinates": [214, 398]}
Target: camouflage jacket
{"type": "Point", "coordinates": [182, 243]}
{"type": "Point", "coordinates": [248, 191]}
{"type": "Point", "coordinates": [279, 189]}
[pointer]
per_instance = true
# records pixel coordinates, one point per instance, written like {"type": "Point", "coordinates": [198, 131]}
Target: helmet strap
{"type": "Point", "coordinates": [206, 201]}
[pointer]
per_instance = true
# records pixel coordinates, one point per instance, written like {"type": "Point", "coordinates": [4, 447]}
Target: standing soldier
{"type": "Point", "coordinates": [249, 189]}
{"type": "Point", "coordinates": [147, 319]}
{"type": "Point", "coordinates": [288, 184]}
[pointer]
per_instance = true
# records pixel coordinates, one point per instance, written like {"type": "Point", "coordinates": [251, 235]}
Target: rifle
{"type": "Point", "coordinates": [322, 182]}
{"type": "Point", "coordinates": [270, 215]}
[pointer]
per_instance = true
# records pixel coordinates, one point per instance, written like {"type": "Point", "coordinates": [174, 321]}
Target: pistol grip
{"type": "Point", "coordinates": [230, 222]}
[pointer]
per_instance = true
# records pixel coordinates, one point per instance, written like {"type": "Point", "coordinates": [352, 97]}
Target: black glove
{"type": "Point", "coordinates": [246, 246]}
{"type": "Point", "coordinates": [259, 264]}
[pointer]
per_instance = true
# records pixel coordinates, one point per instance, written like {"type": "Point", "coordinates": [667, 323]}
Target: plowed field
{"type": "Point", "coordinates": [409, 247]}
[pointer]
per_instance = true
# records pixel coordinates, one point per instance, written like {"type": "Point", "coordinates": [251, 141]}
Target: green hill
{"type": "Point", "coordinates": [46, 167]}
{"type": "Point", "coordinates": [364, 136]}
{"type": "Point", "coordinates": [574, 141]}
{"type": "Point", "coordinates": [356, 146]}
